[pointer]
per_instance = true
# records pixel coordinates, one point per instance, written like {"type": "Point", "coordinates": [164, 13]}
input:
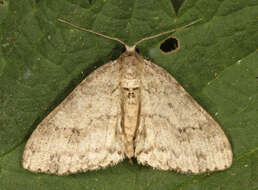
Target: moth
{"type": "Point", "coordinates": [129, 107]}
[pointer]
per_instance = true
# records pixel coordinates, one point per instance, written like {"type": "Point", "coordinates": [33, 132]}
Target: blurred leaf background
{"type": "Point", "coordinates": [42, 60]}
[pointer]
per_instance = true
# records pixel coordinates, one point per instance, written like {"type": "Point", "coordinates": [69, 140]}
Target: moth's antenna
{"type": "Point", "coordinates": [91, 31]}
{"type": "Point", "coordinates": [128, 48]}
{"type": "Point", "coordinates": [167, 32]}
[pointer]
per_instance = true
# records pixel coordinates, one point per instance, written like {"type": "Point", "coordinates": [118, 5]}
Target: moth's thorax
{"type": "Point", "coordinates": [130, 70]}
{"type": "Point", "coordinates": [130, 82]}
{"type": "Point", "coordinates": [130, 85]}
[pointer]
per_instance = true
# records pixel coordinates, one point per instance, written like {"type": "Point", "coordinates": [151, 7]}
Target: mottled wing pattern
{"type": "Point", "coordinates": [175, 133]}
{"type": "Point", "coordinates": [84, 131]}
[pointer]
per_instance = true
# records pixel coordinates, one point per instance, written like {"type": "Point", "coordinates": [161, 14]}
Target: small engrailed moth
{"type": "Point", "coordinates": [129, 107]}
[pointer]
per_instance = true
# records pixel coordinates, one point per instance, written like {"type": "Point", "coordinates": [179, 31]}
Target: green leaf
{"type": "Point", "coordinates": [42, 60]}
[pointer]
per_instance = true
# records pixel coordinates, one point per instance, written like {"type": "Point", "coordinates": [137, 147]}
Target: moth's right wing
{"type": "Point", "coordinates": [84, 131]}
{"type": "Point", "coordinates": [175, 132]}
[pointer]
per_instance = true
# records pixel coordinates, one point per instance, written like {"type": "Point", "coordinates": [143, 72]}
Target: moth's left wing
{"type": "Point", "coordinates": [83, 132]}
{"type": "Point", "coordinates": [175, 132]}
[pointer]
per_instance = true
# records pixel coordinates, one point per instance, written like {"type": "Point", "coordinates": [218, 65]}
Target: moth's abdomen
{"type": "Point", "coordinates": [131, 108]}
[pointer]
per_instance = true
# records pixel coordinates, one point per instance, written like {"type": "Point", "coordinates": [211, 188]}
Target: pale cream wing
{"type": "Point", "coordinates": [175, 132]}
{"type": "Point", "coordinates": [84, 131]}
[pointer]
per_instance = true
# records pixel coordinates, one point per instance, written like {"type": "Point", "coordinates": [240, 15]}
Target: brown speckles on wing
{"type": "Point", "coordinates": [178, 134]}
{"type": "Point", "coordinates": [83, 132]}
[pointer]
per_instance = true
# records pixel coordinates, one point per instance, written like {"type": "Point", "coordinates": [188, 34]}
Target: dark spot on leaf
{"type": "Point", "coordinates": [37, 1]}
{"type": "Point", "coordinates": [1, 3]}
{"type": "Point", "coordinates": [170, 45]}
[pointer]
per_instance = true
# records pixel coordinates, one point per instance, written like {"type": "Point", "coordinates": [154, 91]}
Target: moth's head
{"type": "Point", "coordinates": [130, 50]}
{"type": "Point", "coordinates": [130, 63]}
